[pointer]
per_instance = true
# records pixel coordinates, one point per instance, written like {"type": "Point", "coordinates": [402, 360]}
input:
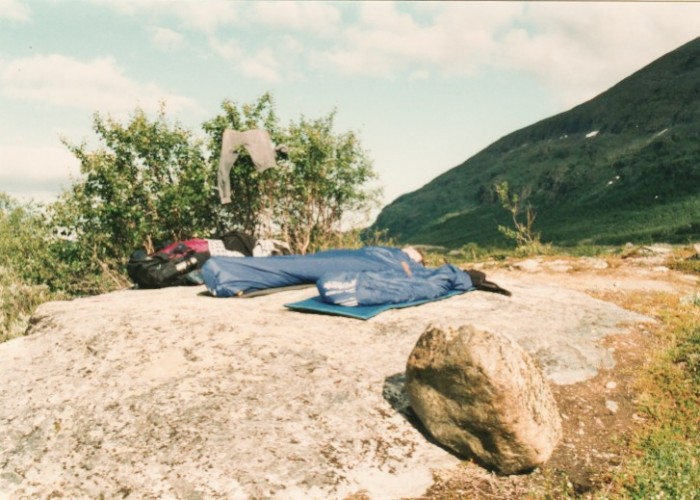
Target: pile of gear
{"type": "Point", "coordinates": [180, 263]}
{"type": "Point", "coordinates": [347, 279]}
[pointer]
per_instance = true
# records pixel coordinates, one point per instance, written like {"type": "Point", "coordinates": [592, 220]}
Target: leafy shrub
{"type": "Point", "coordinates": [17, 302]}
{"type": "Point", "coordinates": [304, 202]}
{"type": "Point", "coordinates": [526, 239]}
{"type": "Point", "coordinates": [27, 264]}
{"type": "Point", "coordinates": [147, 182]}
{"type": "Point", "coordinates": [150, 181]}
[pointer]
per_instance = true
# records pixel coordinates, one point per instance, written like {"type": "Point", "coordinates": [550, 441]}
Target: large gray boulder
{"type": "Point", "coordinates": [480, 394]}
{"type": "Point", "coordinates": [175, 394]}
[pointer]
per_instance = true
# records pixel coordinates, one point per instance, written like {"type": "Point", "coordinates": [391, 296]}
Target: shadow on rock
{"type": "Point", "coordinates": [394, 392]}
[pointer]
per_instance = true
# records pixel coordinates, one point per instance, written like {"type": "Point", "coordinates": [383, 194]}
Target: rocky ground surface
{"type": "Point", "coordinates": [598, 412]}
{"type": "Point", "coordinates": [175, 394]}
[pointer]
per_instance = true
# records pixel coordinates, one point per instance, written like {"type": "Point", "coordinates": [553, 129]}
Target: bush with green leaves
{"type": "Point", "coordinates": [150, 181]}
{"type": "Point", "coordinates": [303, 202]}
{"type": "Point", "coordinates": [26, 264]}
{"type": "Point", "coordinates": [147, 182]}
{"type": "Point", "coordinates": [327, 180]}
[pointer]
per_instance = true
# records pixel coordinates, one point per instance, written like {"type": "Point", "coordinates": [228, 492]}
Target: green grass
{"type": "Point", "coordinates": [667, 469]}
{"type": "Point", "coordinates": [665, 454]}
{"type": "Point", "coordinates": [687, 266]}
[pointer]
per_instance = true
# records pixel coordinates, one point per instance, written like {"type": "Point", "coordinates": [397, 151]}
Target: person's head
{"type": "Point", "coordinates": [414, 254]}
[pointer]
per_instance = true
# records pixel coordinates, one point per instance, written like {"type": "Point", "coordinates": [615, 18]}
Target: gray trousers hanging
{"type": "Point", "coordinates": [259, 146]}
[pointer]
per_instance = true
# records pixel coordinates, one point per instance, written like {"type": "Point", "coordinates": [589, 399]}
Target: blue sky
{"type": "Point", "coordinates": [425, 84]}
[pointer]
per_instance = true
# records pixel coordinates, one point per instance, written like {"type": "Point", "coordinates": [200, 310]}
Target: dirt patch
{"type": "Point", "coordinates": [597, 414]}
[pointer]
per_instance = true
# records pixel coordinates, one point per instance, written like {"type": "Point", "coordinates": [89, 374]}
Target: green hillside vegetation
{"type": "Point", "coordinates": [624, 166]}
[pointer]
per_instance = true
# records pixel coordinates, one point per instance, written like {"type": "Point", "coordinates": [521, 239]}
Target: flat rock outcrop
{"type": "Point", "coordinates": [480, 394]}
{"type": "Point", "coordinates": [175, 394]}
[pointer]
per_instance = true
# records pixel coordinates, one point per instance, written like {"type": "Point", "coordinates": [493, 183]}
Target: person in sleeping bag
{"type": "Point", "coordinates": [391, 286]}
{"type": "Point", "coordinates": [231, 277]}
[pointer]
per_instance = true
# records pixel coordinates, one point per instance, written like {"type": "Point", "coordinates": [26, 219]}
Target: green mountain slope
{"type": "Point", "coordinates": [624, 166]}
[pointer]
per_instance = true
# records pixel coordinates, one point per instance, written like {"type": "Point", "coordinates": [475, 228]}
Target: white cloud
{"type": "Point", "coordinates": [37, 163]}
{"type": "Point", "coordinates": [377, 45]}
{"type": "Point", "coordinates": [448, 38]}
{"type": "Point", "coordinates": [229, 49]}
{"type": "Point", "coordinates": [167, 39]}
{"type": "Point", "coordinates": [126, 7]}
{"type": "Point", "coordinates": [97, 85]}
{"type": "Point", "coordinates": [14, 10]}
{"type": "Point", "coordinates": [577, 49]}
{"type": "Point", "coordinates": [129, 7]}
{"type": "Point", "coordinates": [206, 16]}
{"type": "Point", "coordinates": [317, 18]}
{"type": "Point", "coordinates": [259, 64]}
{"type": "Point", "coordinates": [385, 16]}
{"type": "Point", "coordinates": [262, 65]}
{"type": "Point", "coordinates": [267, 52]}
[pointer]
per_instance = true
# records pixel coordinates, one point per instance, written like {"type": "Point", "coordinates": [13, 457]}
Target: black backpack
{"type": "Point", "coordinates": [179, 266]}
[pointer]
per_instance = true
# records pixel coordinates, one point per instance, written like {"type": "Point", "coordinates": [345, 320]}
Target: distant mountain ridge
{"type": "Point", "coordinates": [623, 166]}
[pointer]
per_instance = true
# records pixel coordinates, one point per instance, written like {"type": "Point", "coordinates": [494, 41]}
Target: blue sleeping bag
{"type": "Point", "coordinates": [233, 276]}
{"type": "Point", "coordinates": [391, 286]}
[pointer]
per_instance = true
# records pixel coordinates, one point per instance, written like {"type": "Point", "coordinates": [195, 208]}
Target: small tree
{"type": "Point", "coordinates": [522, 232]}
{"type": "Point", "coordinates": [26, 264]}
{"type": "Point", "coordinates": [251, 190]}
{"type": "Point", "coordinates": [23, 239]}
{"type": "Point", "coordinates": [150, 181]}
{"type": "Point", "coordinates": [303, 201]}
{"type": "Point", "coordinates": [147, 183]}
{"type": "Point", "coordinates": [328, 178]}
